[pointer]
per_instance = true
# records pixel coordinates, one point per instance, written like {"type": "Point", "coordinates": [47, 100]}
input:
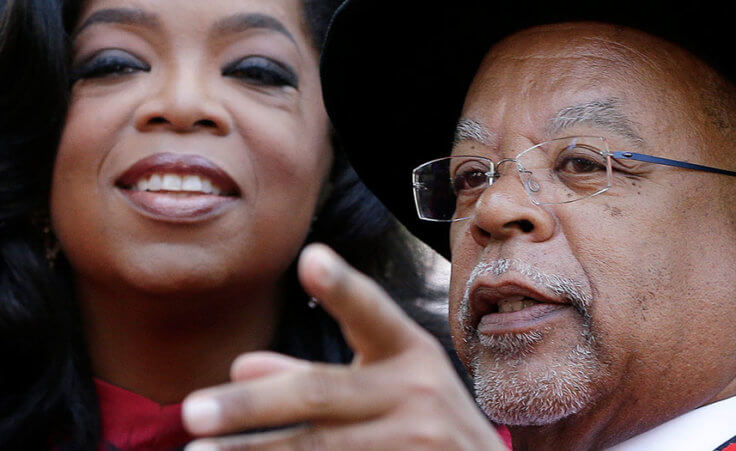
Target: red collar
{"type": "Point", "coordinates": [133, 422]}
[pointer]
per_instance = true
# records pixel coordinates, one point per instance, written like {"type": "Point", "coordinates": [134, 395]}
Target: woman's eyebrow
{"type": "Point", "coordinates": [125, 16]}
{"type": "Point", "coordinates": [239, 23]}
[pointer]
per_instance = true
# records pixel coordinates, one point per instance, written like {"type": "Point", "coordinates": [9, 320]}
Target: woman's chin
{"type": "Point", "coordinates": [162, 278]}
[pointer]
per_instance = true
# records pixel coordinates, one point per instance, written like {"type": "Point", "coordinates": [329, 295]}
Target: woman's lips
{"type": "Point", "coordinates": [177, 188]}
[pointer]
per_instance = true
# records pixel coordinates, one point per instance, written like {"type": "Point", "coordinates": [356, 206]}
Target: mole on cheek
{"type": "Point", "coordinates": [613, 211]}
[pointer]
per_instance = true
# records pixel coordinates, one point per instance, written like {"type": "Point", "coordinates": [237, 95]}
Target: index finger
{"type": "Point", "coordinates": [372, 323]}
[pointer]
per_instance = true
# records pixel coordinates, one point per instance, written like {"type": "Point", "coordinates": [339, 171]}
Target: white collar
{"type": "Point", "coordinates": [702, 429]}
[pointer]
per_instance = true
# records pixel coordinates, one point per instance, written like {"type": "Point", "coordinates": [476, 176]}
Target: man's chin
{"type": "Point", "coordinates": [516, 386]}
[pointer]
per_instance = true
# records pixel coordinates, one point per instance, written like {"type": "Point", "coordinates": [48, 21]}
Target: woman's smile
{"type": "Point", "coordinates": [178, 188]}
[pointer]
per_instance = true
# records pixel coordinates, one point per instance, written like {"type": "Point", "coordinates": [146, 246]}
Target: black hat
{"type": "Point", "coordinates": [395, 74]}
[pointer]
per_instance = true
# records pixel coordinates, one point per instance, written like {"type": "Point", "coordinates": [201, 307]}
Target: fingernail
{"type": "Point", "coordinates": [201, 446]}
{"type": "Point", "coordinates": [201, 415]}
{"type": "Point", "coordinates": [325, 267]}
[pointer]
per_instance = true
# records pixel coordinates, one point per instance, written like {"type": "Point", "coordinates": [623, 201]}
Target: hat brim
{"type": "Point", "coordinates": [395, 74]}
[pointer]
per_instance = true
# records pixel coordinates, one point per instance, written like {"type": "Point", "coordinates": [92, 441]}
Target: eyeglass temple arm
{"type": "Point", "coordinates": [668, 162]}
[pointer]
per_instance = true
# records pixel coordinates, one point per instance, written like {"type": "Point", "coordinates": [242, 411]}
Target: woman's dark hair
{"type": "Point", "coordinates": [47, 394]}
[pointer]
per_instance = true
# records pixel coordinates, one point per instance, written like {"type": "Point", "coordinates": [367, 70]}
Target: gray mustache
{"type": "Point", "coordinates": [572, 290]}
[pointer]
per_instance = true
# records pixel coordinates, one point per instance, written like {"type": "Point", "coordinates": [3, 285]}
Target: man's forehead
{"type": "Point", "coordinates": [584, 52]}
{"type": "Point", "coordinates": [599, 41]}
{"type": "Point", "coordinates": [558, 76]}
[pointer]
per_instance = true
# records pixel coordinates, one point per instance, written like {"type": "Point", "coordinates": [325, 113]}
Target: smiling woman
{"type": "Point", "coordinates": [178, 155]}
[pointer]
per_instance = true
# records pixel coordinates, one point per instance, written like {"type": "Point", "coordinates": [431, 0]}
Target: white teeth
{"type": "Point", "coordinates": [515, 304]}
{"type": "Point", "coordinates": [191, 183]}
{"type": "Point", "coordinates": [171, 183]}
{"type": "Point", "coordinates": [155, 182]}
{"type": "Point", "coordinates": [207, 186]}
{"type": "Point", "coordinates": [174, 182]}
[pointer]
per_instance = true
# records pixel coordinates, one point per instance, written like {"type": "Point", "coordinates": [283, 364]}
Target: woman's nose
{"type": "Point", "coordinates": [505, 211]}
{"type": "Point", "coordinates": [183, 103]}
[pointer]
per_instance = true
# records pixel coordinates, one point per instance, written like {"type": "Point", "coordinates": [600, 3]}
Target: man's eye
{"type": "Point", "coordinates": [109, 63]}
{"type": "Point", "coordinates": [466, 181]}
{"type": "Point", "coordinates": [580, 165]}
{"type": "Point", "coordinates": [579, 159]}
{"type": "Point", "coordinates": [262, 71]}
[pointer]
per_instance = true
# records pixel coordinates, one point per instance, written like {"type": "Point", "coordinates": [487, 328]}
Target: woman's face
{"type": "Point", "coordinates": [195, 146]}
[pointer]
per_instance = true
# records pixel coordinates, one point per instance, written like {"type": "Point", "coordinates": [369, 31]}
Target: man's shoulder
{"type": "Point", "coordinates": [706, 428]}
{"type": "Point", "coordinates": [729, 445]}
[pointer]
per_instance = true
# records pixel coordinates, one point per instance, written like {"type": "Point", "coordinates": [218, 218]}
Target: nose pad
{"type": "Point", "coordinates": [506, 211]}
{"type": "Point", "coordinates": [529, 181]}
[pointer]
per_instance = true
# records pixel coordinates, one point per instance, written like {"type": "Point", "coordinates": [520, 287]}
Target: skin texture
{"type": "Point", "coordinates": [160, 298]}
{"type": "Point", "coordinates": [650, 258]}
{"type": "Point", "coordinates": [400, 392]}
{"type": "Point", "coordinates": [653, 254]}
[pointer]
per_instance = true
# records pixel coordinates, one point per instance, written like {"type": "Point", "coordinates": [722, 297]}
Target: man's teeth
{"type": "Point", "coordinates": [515, 304]}
{"type": "Point", "coordinates": [174, 182]}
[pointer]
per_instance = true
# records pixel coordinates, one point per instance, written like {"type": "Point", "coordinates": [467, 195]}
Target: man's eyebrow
{"type": "Point", "coordinates": [246, 21]}
{"type": "Point", "coordinates": [602, 114]}
{"type": "Point", "coordinates": [470, 129]}
{"type": "Point", "coordinates": [125, 16]}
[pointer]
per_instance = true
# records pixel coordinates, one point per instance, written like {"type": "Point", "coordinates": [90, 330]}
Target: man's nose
{"type": "Point", "coordinates": [505, 211]}
{"type": "Point", "coordinates": [183, 103]}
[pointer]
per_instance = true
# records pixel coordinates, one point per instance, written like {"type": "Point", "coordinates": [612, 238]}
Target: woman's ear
{"type": "Point", "coordinates": [324, 194]}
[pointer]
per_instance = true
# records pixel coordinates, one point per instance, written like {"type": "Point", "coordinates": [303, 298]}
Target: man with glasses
{"type": "Point", "coordinates": [588, 193]}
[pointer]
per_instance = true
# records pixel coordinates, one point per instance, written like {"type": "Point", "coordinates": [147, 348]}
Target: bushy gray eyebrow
{"type": "Point", "coordinates": [603, 114]}
{"type": "Point", "coordinates": [470, 129]}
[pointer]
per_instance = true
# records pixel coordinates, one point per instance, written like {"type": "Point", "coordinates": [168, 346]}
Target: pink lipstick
{"type": "Point", "coordinates": [177, 188]}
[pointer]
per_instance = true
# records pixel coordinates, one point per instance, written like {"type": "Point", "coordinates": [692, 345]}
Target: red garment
{"type": "Point", "coordinates": [503, 431]}
{"type": "Point", "coordinates": [133, 422]}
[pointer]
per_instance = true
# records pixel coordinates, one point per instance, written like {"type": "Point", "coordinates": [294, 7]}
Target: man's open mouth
{"type": "Point", "coordinates": [511, 308]}
{"type": "Point", "coordinates": [513, 304]}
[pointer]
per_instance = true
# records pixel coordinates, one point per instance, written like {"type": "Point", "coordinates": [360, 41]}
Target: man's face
{"type": "Point", "coordinates": [625, 297]}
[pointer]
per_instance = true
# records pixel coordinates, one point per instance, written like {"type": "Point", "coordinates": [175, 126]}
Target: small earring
{"type": "Point", "coordinates": [50, 243]}
{"type": "Point", "coordinates": [313, 303]}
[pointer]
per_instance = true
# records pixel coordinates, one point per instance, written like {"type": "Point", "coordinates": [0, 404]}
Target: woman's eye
{"type": "Point", "coordinates": [109, 63]}
{"type": "Point", "coordinates": [262, 71]}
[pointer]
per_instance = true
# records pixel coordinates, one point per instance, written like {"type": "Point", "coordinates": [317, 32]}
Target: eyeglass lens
{"type": "Point", "coordinates": [553, 172]}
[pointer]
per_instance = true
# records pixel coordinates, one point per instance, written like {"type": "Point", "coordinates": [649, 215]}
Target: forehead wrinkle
{"type": "Point", "coordinates": [619, 53]}
{"type": "Point", "coordinates": [602, 114]}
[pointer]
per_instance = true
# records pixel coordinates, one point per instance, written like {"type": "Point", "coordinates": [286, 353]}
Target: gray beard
{"type": "Point", "coordinates": [509, 393]}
